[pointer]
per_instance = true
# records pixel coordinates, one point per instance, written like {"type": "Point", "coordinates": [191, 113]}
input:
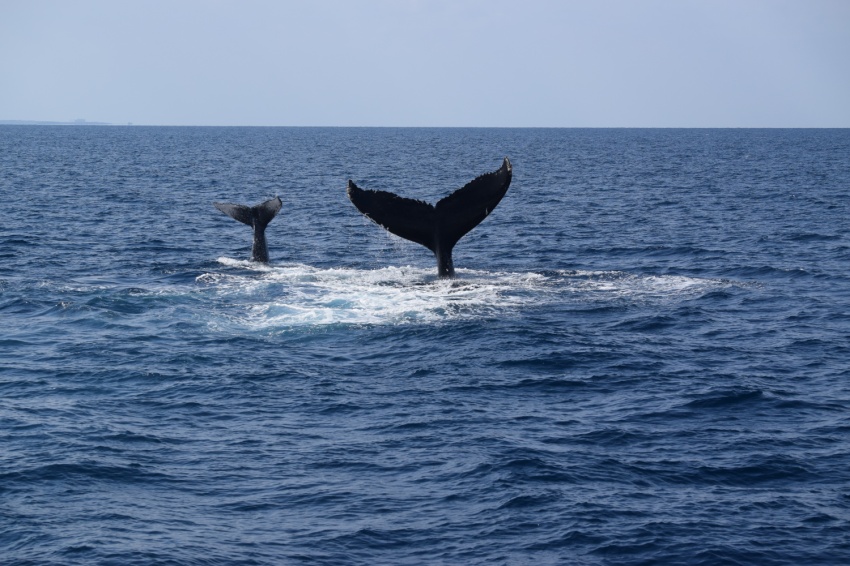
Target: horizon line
{"type": "Point", "coordinates": [82, 122]}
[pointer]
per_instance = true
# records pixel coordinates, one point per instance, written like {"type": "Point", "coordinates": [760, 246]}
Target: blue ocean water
{"type": "Point", "coordinates": [643, 360]}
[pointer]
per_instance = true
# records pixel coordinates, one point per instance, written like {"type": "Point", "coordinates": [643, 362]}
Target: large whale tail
{"type": "Point", "coordinates": [439, 227]}
{"type": "Point", "coordinates": [257, 217]}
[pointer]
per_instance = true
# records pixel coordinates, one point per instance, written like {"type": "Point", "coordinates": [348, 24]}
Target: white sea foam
{"type": "Point", "coordinates": [292, 295]}
{"type": "Point", "coordinates": [268, 297]}
{"type": "Point", "coordinates": [638, 287]}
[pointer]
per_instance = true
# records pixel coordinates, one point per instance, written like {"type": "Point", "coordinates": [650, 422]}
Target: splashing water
{"type": "Point", "coordinates": [262, 297]}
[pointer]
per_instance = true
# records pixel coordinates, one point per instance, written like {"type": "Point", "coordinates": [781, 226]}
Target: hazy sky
{"type": "Point", "coordinates": [559, 63]}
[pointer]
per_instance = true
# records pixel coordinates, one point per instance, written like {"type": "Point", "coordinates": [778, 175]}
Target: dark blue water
{"type": "Point", "coordinates": [644, 358]}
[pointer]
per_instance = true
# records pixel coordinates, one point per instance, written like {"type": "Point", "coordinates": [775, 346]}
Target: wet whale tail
{"type": "Point", "coordinates": [439, 227]}
{"type": "Point", "coordinates": [257, 217]}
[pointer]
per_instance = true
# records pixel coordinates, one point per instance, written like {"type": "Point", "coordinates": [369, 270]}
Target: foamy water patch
{"type": "Point", "coordinates": [269, 297]}
{"type": "Point", "coordinates": [620, 285]}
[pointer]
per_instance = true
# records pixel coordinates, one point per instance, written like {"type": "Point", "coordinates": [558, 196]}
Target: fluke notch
{"type": "Point", "coordinates": [258, 217]}
{"type": "Point", "coordinates": [439, 227]}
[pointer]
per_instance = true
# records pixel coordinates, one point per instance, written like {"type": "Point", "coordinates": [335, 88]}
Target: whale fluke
{"type": "Point", "coordinates": [257, 217]}
{"type": "Point", "coordinates": [439, 227]}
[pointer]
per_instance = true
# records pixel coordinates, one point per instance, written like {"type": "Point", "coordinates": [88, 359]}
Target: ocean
{"type": "Point", "coordinates": [644, 357]}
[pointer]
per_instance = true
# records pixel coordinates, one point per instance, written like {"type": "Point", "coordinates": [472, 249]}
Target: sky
{"type": "Point", "coordinates": [434, 63]}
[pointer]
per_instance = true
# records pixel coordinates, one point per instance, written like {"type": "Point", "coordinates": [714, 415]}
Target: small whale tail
{"type": "Point", "coordinates": [439, 227]}
{"type": "Point", "coordinates": [257, 217]}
